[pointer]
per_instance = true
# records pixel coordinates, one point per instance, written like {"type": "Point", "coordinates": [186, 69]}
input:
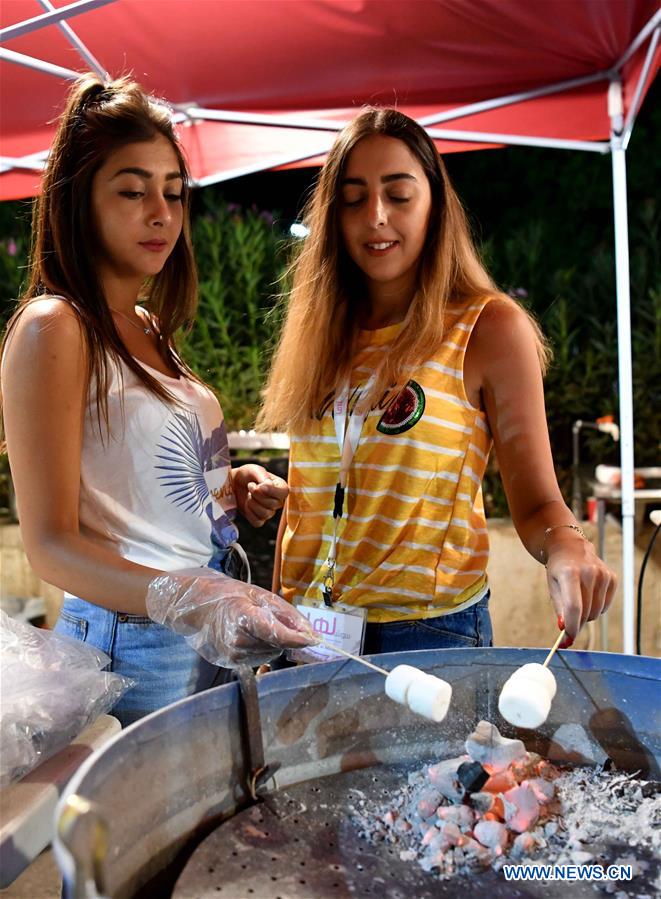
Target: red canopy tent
{"type": "Point", "coordinates": [263, 83]}
{"type": "Point", "coordinates": [259, 84]}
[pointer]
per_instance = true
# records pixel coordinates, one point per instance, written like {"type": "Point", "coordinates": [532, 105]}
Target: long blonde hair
{"type": "Point", "coordinates": [317, 344]}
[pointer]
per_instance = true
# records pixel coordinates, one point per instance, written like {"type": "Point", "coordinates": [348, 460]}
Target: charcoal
{"type": "Point", "coordinates": [500, 782]}
{"type": "Point", "coordinates": [523, 844]}
{"type": "Point", "coordinates": [491, 834]}
{"type": "Point", "coordinates": [574, 806]}
{"type": "Point", "coordinates": [482, 802]}
{"type": "Point", "coordinates": [651, 788]}
{"type": "Point", "coordinates": [521, 808]}
{"type": "Point", "coordinates": [543, 789]}
{"type": "Point", "coordinates": [428, 802]}
{"type": "Point", "coordinates": [472, 776]}
{"type": "Point", "coordinates": [487, 745]}
{"type": "Point", "coordinates": [461, 815]}
{"type": "Point", "coordinates": [443, 776]}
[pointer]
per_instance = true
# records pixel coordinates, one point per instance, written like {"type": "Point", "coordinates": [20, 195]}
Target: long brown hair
{"type": "Point", "coordinates": [318, 339]}
{"type": "Point", "coordinates": [99, 118]}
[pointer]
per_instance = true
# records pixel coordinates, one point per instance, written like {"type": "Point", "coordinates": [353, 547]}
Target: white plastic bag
{"type": "Point", "coordinates": [51, 689]}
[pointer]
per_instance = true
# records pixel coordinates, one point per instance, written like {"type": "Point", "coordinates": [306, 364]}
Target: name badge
{"type": "Point", "coordinates": [342, 626]}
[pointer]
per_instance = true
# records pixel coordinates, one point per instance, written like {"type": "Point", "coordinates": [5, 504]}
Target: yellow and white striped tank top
{"type": "Point", "coordinates": [413, 539]}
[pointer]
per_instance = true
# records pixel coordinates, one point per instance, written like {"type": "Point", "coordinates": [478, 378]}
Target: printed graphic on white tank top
{"type": "Point", "coordinates": [197, 473]}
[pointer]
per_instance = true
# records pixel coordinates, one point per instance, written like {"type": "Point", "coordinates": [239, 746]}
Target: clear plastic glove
{"type": "Point", "coordinates": [226, 621]}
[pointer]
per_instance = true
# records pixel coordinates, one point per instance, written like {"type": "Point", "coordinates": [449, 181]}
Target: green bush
{"type": "Point", "coordinates": [576, 307]}
{"type": "Point", "coordinates": [14, 242]}
{"type": "Point", "coordinates": [241, 256]}
{"type": "Point", "coordinates": [14, 247]}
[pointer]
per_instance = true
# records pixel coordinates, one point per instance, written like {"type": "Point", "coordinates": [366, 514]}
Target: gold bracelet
{"type": "Point", "coordinates": [574, 527]}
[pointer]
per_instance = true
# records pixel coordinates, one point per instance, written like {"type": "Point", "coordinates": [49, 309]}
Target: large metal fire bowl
{"type": "Point", "coordinates": [135, 811]}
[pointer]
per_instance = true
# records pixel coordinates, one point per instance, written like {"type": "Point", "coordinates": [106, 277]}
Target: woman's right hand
{"type": "Point", "coordinates": [226, 621]}
{"type": "Point", "coordinates": [581, 585]}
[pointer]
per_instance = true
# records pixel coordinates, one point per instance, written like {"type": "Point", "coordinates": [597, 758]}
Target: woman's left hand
{"type": "Point", "coordinates": [259, 494]}
{"type": "Point", "coordinates": [580, 583]}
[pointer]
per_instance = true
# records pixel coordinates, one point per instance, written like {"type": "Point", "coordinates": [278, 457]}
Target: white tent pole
{"type": "Point", "coordinates": [39, 64]}
{"type": "Point", "coordinates": [290, 121]}
{"type": "Point", "coordinates": [7, 163]}
{"type": "Point", "coordinates": [260, 167]}
{"type": "Point", "coordinates": [618, 155]}
{"type": "Point", "coordinates": [35, 162]}
{"type": "Point", "coordinates": [48, 18]}
{"type": "Point", "coordinates": [640, 38]}
{"type": "Point", "coordinates": [73, 39]}
{"type": "Point", "coordinates": [196, 113]}
{"type": "Point", "coordinates": [517, 140]}
{"type": "Point", "coordinates": [511, 99]}
{"type": "Point", "coordinates": [635, 103]}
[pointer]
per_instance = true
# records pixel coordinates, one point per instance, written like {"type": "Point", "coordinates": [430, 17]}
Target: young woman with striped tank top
{"type": "Point", "coordinates": [399, 365]}
{"type": "Point", "coordinates": [118, 452]}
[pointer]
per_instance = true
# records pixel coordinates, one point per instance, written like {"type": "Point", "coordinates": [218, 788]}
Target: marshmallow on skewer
{"type": "Point", "coordinates": [399, 680]}
{"type": "Point", "coordinates": [429, 696]}
{"type": "Point", "coordinates": [526, 697]}
{"type": "Point", "coordinates": [423, 693]}
{"type": "Point", "coordinates": [538, 673]}
{"type": "Point", "coordinates": [524, 702]}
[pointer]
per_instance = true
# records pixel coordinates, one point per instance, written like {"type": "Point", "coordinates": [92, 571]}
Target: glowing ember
{"type": "Point", "coordinates": [526, 807]}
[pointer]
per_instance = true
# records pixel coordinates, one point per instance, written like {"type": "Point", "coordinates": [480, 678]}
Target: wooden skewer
{"type": "Point", "coordinates": [355, 658]}
{"type": "Point", "coordinates": [383, 671]}
{"type": "Point", "coordinates": [557, 643]}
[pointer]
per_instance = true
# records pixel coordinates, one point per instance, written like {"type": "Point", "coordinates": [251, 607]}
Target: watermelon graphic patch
{"type": "Point", "coordinates": [405, 411]}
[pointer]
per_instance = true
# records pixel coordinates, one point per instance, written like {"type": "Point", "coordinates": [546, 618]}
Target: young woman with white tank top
{"type": "Point", "coordinates": [118, 451]}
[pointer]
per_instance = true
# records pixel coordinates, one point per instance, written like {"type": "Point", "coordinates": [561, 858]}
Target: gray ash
{"type": "Point", "coordinates": [527, 811]}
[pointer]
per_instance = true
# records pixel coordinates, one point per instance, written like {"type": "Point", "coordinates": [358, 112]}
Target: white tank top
{"type": "Point", "coordinates": [158, 489]}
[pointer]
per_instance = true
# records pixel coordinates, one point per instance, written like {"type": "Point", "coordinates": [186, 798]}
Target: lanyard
{"type": "Point", "coordinates": [347, 433]}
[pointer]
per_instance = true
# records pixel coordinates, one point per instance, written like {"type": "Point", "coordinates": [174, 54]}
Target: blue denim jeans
{"type": "Point", "coordinates": [163, 665]}
{"type": "Point", "coordinates": [472, 627]}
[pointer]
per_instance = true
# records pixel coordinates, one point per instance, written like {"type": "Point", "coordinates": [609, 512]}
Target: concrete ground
{"type": "Point", "coordinates": [40, 881]}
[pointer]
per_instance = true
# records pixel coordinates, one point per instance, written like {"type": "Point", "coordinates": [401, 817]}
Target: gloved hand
{"type": "Point", "coordinates": [226, 621]}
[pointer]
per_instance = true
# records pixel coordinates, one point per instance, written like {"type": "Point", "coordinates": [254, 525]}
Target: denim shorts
{"type": "Point", "coordinates": [470, 627]}
{"type": "Point", "coordinates": [163, 665]}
